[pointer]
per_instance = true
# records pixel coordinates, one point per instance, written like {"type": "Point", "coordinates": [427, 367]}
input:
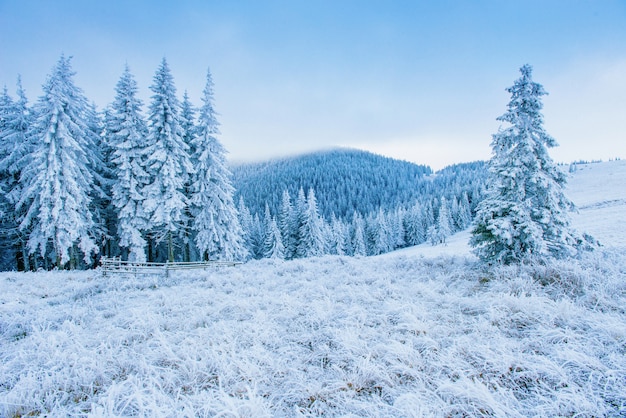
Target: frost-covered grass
{"type": "Point", "coordinates": [395, 335]}
{"type": "Point", "coordinates": [382, 336]}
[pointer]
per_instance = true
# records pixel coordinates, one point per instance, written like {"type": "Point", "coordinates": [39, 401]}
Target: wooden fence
{"type": "Point", "coordinates": [116, 265]}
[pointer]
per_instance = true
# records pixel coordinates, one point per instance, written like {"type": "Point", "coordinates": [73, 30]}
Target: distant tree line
{"type": "Point", "coordinates": [416, 206]}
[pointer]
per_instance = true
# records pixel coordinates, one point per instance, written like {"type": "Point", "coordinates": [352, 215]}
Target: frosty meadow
{"type": "Point", "coordinates": [424, 331]}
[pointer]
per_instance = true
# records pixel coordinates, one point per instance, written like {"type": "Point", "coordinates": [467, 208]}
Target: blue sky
{"type": "Point", "coordinates": [416, 80]}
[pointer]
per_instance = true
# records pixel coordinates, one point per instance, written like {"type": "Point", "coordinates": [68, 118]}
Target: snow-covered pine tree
{"type": "Point", "coordinates": [168, 163]}
{"type": "Point", "coordinates": [359, 247]}
{"type": "Point", "coordinates": [397, 228]}
{"type": "Point", "coordinates": [311, 243]}
{"type": "Point", "coordinates": [215, 221]}
{"type": "Point", "coordinates": [413, 226]}
{"type": "Point", "coordinates": [246, 221]}
{"type": "Point", "coordinates": [98, 153]}
{"type": "Point", "coordinates": [273, 244]}
{"type": "Point", "coordinates": [15, 119]}
{"type": "Point", "coordinates": [188, 124]}
{"type": "Point", "coordinates": [455, 215]}
{"type": "Point", "coordinates": [8, 224]}
{"type": "Point", "coordinates": [444, 221]}
{"type": "Point", "coordinates": [381, 235]}
{"type": "Point", "coordinates": [465, 211]}
{"type": "Point", "coordinates": [277, 250]}
{"type": "Point", "coordinates": [257, 232]}
{"type": "Point", "coordinates": [338, 237]}
{"type": "Point", "coordinates": [6, 147]}
{"type": "Point", "coordinates": [286, 225]}
{"type": "Point", "coordinates": [57, 177]}
{"type": "Point", "coordinates": [525, 212]}
{"type": "Point", "coordinates": [299, 208]}
{"type": "Point", "coordinates": [125, 132]}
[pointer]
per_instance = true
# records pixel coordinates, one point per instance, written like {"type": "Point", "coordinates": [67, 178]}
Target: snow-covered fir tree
{"type": "Point", "coordinates": [442, 229]}
{"type": "Point", "coordinates": [299, 209]}
{"type": "Point", "coordinates": [413, 226]}
{"type": "Point", "coordinates": [215, 221]}
{"type": "Point", "coordinates": [359, 247]}
{"type": "Point", "coordinates": [168, 163]}
{"type": "Point", "coordinates": [311, 239]}
{"type": "Point", "coordinates": [188, 125]}
{"type": "Point", "coordinates": [15, 120]}
{"type": "Point", "coordinates": [57, 179]}
{"type": "Point", "coordinates": [338, 237]}
{"type": "Point", "coordinates": [6, 147]}
{"type": "Point", "coordinates": [463, 214]}
{"type": "Point", "coordinates": [98, 154]}
{"type": "Point", "coordinates": [525, 213]}
{"type": "Point", "coordinates": [125, 132]}
{"type": "Point", "coordinates": [396, 220]}
{"type": "Point", "coordinates": [273, 244]}
{"type": "Point", "coordinates": [380, 233]}
{"type": "Point", "coordinates": [246, 221]}
{"type": "Point", "coordinates": [286, 224]}
{"type": "Point", "coordinates": [188, 122]}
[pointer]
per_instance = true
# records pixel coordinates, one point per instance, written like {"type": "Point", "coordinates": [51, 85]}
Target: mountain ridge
{"type": "Point", "coordinates": [344, 180]}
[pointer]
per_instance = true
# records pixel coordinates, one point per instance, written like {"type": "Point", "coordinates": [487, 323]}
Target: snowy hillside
{"type": "Point", "coordinates": [407, 334]}
{"type": "Point", "coordinates": [599, 192]}
{"type": "Point", "coordinates": [349, 180]}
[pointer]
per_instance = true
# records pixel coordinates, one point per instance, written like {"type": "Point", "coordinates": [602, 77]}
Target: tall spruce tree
{"type": "Point", "coordinates": [250, 241]}
{"type": "Point", "coordinates": [273, 243]}
{"type": "Point", "coordinates": [358, 241]}
{"type": "Point", "coordinates": [441, 230]}
{"type": "Point", "coordinates": [215, 221]}
{"type": "Point", "coordinates": [8, 225]}
{"type": "Point", "coordinates": [57, 178]}
{"type": "Point", "coordinates": [286, 224]}
{"type": "Point", "coordinates": [102, 178]}
{"type": "Point", "coordinates": [168, 163]}
{"type": "Point", "coordinates": [15, 120]}
{"type": "Point", "coordinates": [525, 212]}
{"type": "Point", "coordinates": [126, 131]}
{"type": "Point", "coordinates": [188, 125]}
{"type": "Point", "coordinates": [311, 242]}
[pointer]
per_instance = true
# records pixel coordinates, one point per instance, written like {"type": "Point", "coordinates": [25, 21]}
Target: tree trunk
{"type": "Point", "coordinates": [170, 247]}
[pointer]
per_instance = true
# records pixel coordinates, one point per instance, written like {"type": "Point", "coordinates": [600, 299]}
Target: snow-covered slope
{"type": "Point", "coordinates": [399, 335]}
{"type": "Point", "coordinates": [599, 192]}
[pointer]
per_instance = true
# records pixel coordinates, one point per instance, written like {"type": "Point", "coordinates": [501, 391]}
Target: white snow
{"type": "Point", "coordinates": [425, 331]}
{"type": "Point", "coordinates": [599, 191]}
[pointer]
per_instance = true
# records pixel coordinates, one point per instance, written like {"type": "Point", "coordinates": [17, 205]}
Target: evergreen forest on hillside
{"type": "Point", "coordinates": [366, 204]}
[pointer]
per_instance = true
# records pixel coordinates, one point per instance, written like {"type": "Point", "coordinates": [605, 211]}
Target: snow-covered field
{"type": "Point", "coordinates": [421, 332]}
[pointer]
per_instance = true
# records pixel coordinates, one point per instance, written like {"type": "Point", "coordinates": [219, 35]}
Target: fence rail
{"type": "Point", "coordinates": [116, 265]}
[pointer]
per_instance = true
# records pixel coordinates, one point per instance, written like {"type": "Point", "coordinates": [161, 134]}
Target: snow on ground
{"type": "Point", "coordinates": [456, 245]}
{"type": "Point", "coordinates": [599, 192]}
{"type": "Point", "coordinates": [402, 335]}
